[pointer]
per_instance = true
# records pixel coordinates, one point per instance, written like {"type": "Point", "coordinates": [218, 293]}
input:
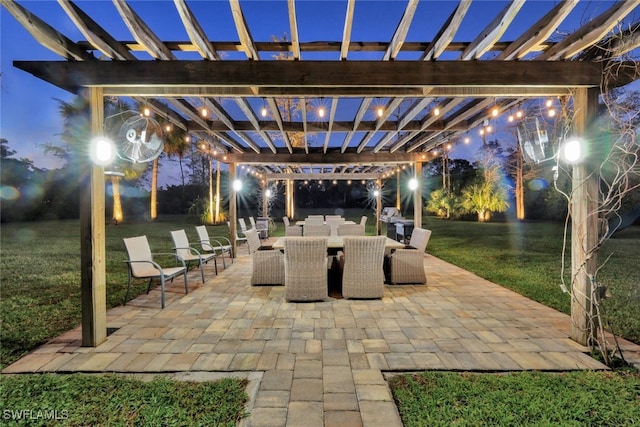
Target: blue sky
{"type": "Point", "coordinates": [28, 111]}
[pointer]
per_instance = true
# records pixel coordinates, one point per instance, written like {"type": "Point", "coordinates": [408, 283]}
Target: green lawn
{"type": "Point", "coordinates": [518, 399]}
{"type": "Point", "coordinates": [115, 400]}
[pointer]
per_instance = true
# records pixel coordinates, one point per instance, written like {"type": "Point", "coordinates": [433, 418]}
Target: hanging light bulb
{"type": "Point", "coordinates": [510, 118]}
{"type": "Point", "coordinates": [263, 111]}
{"type": "Point", "coordinates": [321, 111]}
{"type": "Point", "coordinates": [146, 112]}
{"type": "Point", "coordinates": [380, 111]}
{"type": "Point", "coordinates": [168, 127]}
{"type": "Point", "coordinates": [481, 131]}
{"type": "Point", "coordinates": [489, 129]}
{"type": "Point", "coordinates": [519, 114]}
{"type": "Point", "coordinates": [187, 138]}
{"type": "Point", "coordinates": [467, 140]}
{"type": "Point", "coordinates": [204, 112]}
{"type": "Point", "coordinates": [436, 111]}
{"type": "Point", "coordinates": [549, 103]}
{"type": "Point", "coordinates": [495, 111]}
{"type": "Point", "coordinates": [551, 113]}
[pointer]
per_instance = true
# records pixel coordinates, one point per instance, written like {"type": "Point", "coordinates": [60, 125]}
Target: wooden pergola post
{"type": "Point", "coordinates": [93, 294]}
{"type": "Point", "coordinates": [378, 206]}
{"type": "Point", "coordinates": [584, 220]}
{"type": "Point", "coordinates": [417, 196]}
{"type": "Point", "coordinates": [290, 210]}
{"type": "Point", "coordinates": [233, 221]}
{"type": "Point", "coordinates": [398, 197]}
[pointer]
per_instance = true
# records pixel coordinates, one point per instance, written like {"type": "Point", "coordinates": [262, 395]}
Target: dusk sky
{"type": "Point", "coordinates": [28, 111]}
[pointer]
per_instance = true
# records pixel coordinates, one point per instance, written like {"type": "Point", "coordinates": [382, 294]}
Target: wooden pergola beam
{"type": "Point", "coordinates": [364, 158]}
{"type": "Point", "coordinates": [178, 76]}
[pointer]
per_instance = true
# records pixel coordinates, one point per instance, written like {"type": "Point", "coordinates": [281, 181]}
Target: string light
{"type": "Point", "coordinates": [495, 111]}
{"type": "Point", "coordinates": [436, 111]}
{"type": "Point", "coordinates": [519, 114]}
{"type": "Point", "coordinates": [549, 103]}
{"type": "Point", "coordinates": [380, 111]}
{"type": "Point", "coordinates": [146, 112]}
{"type": "Point", "coordinates": [551, 113]}
{"type": "Point", "coordinates": [321, 111]}
{"type": "Point", "coordinates": [263, 111]}
{"type": "Point", "coordinates": [204, 112]}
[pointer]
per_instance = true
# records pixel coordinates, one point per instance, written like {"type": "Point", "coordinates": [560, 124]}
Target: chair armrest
{"type": "Point", "coordinates": [170, 254]}
{"type": "Point", "coordinates": [153, 263]}
{"type": "Point", "coordinates": [221, 238]}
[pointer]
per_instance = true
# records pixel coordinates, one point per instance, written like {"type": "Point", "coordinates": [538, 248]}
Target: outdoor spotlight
{"type": "Point", "coordinates": [237, 185]}
{"type": "Point", "coordinates": [102, 151]}
{"type": "Point", "coordinates": [413, 184]}
{"type": "Point", "coordinates": [572, 151]}
{"type": "Point", "coordinates": [376, 193]}
{"type": "Point", "coordinates": [268, 193]}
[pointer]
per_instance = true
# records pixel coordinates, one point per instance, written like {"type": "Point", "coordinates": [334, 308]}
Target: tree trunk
{"type": "Point", "coordinates": [117, 215]}
{"type": "Point", "coordinates": [154, 189]}
{"type": "Point", "coordinates": [520, 214]}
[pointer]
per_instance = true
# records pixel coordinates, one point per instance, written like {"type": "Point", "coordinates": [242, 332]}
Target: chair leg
{"type": "Point", "coordinates": [126, 297]}
{"type": "Point", "coordinates": [186, 287]}
{"type": "Point", "coordinates": [224, 264]}
{"type": "Point", "coordinates": [149, 286]}
{"type": "Point", "coordinates": [162, 290]}
{"type": "Point", "coordinates": [215, 263]}
{"type": "Point", "coordinates": [202, 270]}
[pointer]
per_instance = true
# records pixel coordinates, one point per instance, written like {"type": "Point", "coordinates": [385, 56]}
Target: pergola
{"type": "Point", "coordinates": [401, 79]}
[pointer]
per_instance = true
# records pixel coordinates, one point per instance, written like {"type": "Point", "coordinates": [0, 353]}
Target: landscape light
{"type": "Point", "coordinates": [268, 192]}
{"type": "Point", "coordinates": [237, 185]}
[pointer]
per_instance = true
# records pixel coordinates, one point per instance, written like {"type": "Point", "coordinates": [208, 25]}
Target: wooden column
{"type": "Point", "coordinates": [265, 199]}
{"type": "Point", "coordinates": [92, 238]}
{"type": "Point", "coordinates": [217, 216]}
{"type": "Point", "coordinates": [398, 196]}
{"type": "Point", "coordinates": [378, 207]}
{"type": "Point", "coordinates": [233, 213]}
{"type": "Point", "coordinates": [417, 196]}
{"type": "Point", "coordinates": [584, 220]}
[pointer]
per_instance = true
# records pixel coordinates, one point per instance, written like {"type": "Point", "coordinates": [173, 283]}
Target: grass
{"type": "Point", "coordinates": [518, 399]}
{"type": "Point", "coordinates": [112, 400]}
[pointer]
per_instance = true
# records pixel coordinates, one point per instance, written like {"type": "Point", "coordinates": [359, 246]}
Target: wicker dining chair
{"type": "Point", "coordinates": [267, 264]}
{"type": "Point", "coordinates": [305, 269]}
{"type": "Point", "coordinates": [291, 230]}
{"type": "Point", "coordinates": [351, 230]}
{"type": "Point", "coordinates": [407, 264]}
{"type": "Point", "coordinates": [317, 230]}
{"type": "Point", "coordinates": [362, 267]}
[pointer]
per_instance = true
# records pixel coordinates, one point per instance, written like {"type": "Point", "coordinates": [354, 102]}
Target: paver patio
{"type": "Point", "coordinates": [324, 363]}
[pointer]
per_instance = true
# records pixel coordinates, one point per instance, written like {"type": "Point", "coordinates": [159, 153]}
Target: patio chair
{"type": "Point", "coordinates": [350, 230]}
{"type": "Point", "coordinates": [363, 220]}
{"type": "Point", "coordinates": [407, 264]}
{"type": "Point", "coordinates": [238, 238]}
{"type": "Point", "coordinates": [291, 230]}
{"type": "Point", "coordinates": [362, 267]}
{"type": "Point", "coordinates": [305, 269]}
{"type": "Point", "coordinates": [141, 265]}
{"type": "Point", "coordinates": [268, 264]}
{"type": "Point", "coordinates": [316, 230]}
{"type": "Point", "coordinates": [243, 225]}
{"type": "Point", "coordinates": [216, 244]}
{"type": "Point", "coordinates": [188, 253]}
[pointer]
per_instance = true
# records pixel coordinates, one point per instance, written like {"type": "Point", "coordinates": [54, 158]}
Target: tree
{"type": "Point", "coordinates": [483, 198]}
{"type": "Point", "coordinates": [443, 203]}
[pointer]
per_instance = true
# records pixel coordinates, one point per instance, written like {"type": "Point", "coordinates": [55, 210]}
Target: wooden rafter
{"type": "Point", "coordinates": [346, 33]}
{"type": "Point", "coordinates": [589, 33]}
{"type": "Point", "coordinates": [246, 40]}
{"type": "Point", "coordinates": [492, 32]}
{"type": "Point", "coordinates": [447, 32]}
{"type": "Point", "coordinates": [293, 28]}
{"type": "Point", "coordinates": [196, 34]}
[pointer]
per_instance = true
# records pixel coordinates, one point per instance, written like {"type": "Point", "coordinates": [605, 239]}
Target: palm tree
{"type": "Point", "coordinates": [176, 143]}
{"type": "Point", "coordinates": [484, 198]}
{"type": "Point", "coordinates": [442, 203]}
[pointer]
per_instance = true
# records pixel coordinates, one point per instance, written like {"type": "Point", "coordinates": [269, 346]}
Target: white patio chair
{"type": "Point", "coordinates": [305, 269]}
{"type": "Point", "coordinates": [238, 238]}
{"type": "Point", "coordinates": [188, 253]}
{"type": "Point", "coordinates": [314, 220]}
{"type": "Point", "coordinates": [268, 264]}
{"type": "Point", "coordinates": [333, 222]}
{"type": "Point", "coordinates": [362, 267]}
{"type": "Point", "coordinates": [407, 264]}
{"type": "Point", "coordinates": [216, 244]}
{"type": "Point", "coordinates": [363, 220]}
{"type": "Point", "coordinates": [141, 265]}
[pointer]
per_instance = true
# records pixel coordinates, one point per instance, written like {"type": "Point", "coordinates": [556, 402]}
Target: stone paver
{"type": "Point", "coordinates": [322, 363]}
